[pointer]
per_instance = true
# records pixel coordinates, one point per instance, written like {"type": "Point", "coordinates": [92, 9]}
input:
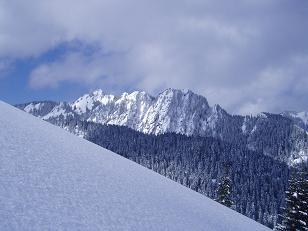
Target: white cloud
{"type": "Point", "coordinates": [238, 55]}
{"type": "Point", "coordinates": [278, 88]}
{"type": "Point", "coordinates": [72, 67]}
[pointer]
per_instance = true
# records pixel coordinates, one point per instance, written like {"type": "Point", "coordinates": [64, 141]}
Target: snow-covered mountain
{"type": "Point", "coordinates": [52, 180]}
{"type": "Point", "coordinates": [184, 112]}
{"type": "Point", "coordinates": [179, 111]}
{"type": "Point", "coordinates": [300, 118]}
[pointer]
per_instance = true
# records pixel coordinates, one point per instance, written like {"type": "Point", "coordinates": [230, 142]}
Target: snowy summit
{"type": "Point", "coordinates": [183, 112]}
{"type": "Point", "coordinates": [53, 180]}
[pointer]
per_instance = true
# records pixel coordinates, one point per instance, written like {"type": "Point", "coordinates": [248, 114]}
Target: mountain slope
{"type": "Point", "coordinates": [300, 118]}
{"type": "Point", "coordinates": [184, 112]}
{"type": "Point", "coordinates": [258, 183]}
{"type": "Point", "coordinates": [51, 179]}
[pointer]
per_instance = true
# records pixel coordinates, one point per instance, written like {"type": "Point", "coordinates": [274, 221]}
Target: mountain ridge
{"type": "Point", "coordinates": [183, 112]}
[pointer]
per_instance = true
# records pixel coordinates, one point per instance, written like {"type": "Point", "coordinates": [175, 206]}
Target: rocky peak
{"type": "Point", "coordinates": [184, 112]}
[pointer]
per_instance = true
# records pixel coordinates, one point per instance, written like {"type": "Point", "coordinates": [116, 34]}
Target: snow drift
{"type": "Point", "coordinates": [53, 180]}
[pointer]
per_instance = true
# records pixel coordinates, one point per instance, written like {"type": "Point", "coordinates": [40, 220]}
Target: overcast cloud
{"type": "Point", "coordinates": [247, 55]}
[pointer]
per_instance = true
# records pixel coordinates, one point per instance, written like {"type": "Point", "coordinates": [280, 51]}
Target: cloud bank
{"type": "Point", "coordinates": [248, 56]}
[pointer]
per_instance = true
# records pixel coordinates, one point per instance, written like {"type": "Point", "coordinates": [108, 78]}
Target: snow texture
{"type": "Point", "coordinates": [179, 111]}
{"type": "Point", "coordinates": [53, 180]}
{"type": "Point", "coordinates": [183, 112]}
{"type": "Point", "coordinates": [300, 118]}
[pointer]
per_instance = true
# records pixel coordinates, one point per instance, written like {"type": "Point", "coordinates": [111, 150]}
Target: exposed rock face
{"type": "Point", "coordinates": [283, 137]}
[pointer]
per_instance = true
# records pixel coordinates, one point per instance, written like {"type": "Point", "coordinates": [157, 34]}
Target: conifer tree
{"type": "Point", "coordinates": [224, 189]}
{"type": "Point", "coordinates": [295, 214]}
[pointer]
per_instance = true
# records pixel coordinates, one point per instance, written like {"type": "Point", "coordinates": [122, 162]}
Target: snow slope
{"type": "Point", "coordinates": [300, 118]}
{"type": "Point", "coordinates": [53, 180]}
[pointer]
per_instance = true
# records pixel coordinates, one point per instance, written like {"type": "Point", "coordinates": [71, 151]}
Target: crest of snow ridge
{"type": "Point", "coordinates": [184, 112]}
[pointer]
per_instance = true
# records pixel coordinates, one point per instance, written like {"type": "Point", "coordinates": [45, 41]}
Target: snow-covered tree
{"type": "Point", "coordinates": [295, 214]}
{"type": "Point", "coordinates": [224, 189]}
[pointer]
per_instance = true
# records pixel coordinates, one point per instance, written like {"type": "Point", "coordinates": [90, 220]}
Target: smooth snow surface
{"type": "Point", "coordinates": [52, 180]}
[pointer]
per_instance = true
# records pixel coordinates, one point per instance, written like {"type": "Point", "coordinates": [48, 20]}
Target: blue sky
{"type": "Point", "coordinates": [248, 57]}
{"type": "Point", "coordinates": [15, 87]}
